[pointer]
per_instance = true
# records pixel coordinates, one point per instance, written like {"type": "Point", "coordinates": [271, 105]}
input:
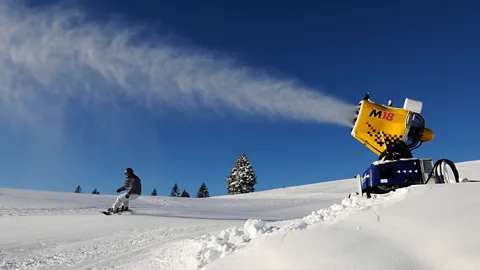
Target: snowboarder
{"type": "Point", "coordinates": [133, 185]}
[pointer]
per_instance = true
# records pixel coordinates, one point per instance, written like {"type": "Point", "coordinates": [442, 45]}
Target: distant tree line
{"type": "Point", "coordinates": [201, 193]}
{"type": "Point", "coordinates": [78, 189]}
{"type": "Point", "coordinates": [241, 179]}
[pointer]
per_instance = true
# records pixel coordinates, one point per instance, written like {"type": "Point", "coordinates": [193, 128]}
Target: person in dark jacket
{"type": "Point", "coordinates": [133, 186]}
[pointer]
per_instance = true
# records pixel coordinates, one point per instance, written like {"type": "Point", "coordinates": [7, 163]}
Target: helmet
{"type": "Point", "coordinates": [129, 170]}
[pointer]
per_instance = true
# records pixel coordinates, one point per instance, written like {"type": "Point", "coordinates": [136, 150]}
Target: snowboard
{"type": "Point", "coordinates": [119, 212]}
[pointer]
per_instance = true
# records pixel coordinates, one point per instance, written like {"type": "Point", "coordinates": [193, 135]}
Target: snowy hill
{"type": "Point", "coordinates": [314, 226]}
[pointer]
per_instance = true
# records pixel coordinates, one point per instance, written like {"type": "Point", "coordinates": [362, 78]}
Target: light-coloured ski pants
{"type": "Point", "coordinates": [121, 199]}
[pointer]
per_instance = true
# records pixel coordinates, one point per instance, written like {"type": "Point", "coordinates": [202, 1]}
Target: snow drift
{"type": "Point", "coordinates": [435, 228]}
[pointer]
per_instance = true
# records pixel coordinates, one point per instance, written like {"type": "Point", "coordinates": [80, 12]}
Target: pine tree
{"type": "Point", "coordinates": [185, 194]}
{"type": "Point", "coordinates": [78, 190]}
{"type": "Point", "coordinates": [175, 191]}
{"type": "Point", "coordinates": [242, 178]}
{"type": "Point", "coordinates": [95, 191]}
{"type": "Point", "coordinates": [154, 192]}
{"type": "Point", "coordinates": [203, 191]}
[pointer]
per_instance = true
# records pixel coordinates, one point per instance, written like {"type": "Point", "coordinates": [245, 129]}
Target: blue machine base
{"type": "Point", "coordinates": [385, 176]}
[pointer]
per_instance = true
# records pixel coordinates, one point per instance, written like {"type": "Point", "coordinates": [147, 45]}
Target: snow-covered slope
{"type": "Point", "coordinates": [470, 169]}
{"type": "Point", "coordinates": [315, 226]}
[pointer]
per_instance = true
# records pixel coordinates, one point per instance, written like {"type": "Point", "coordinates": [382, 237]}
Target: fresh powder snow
{"type": "Point", "coordinates": [317, 226]}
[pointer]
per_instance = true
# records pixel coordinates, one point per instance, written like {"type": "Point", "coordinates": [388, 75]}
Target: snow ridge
{"type": "Point", "coordinates": [232, 239]}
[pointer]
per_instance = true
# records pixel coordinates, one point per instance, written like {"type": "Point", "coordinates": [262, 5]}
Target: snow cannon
{"type": "Point", "coordinates": [392, 133]}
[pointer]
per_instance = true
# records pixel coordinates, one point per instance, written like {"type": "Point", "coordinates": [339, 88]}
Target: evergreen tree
{"type": "Point", "coordinates": [175, 191]}
{"type": "Point", "coordinates": [185, 194]}
{"type": "Point", "coordinates": [95, 191]}
{"type": "Point", "coordinates": [78, 190]}
{"type": "Point", "coordinates": [154, 192]}
{"type": "Point", "coordinates": [203, 191]}
{"type": "Point", "coordinates": [242, 178]}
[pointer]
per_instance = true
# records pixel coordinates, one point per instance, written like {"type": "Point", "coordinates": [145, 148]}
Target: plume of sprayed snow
{"type": "Point", "coordinates": [52, 55]}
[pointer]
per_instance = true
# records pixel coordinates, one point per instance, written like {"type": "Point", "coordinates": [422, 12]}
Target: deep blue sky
{"type": "Point", "coordinates": [422, 50]}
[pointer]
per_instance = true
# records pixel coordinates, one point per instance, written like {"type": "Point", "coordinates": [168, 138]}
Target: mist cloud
{"type": "Point", "coordinates": [51, 55]}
